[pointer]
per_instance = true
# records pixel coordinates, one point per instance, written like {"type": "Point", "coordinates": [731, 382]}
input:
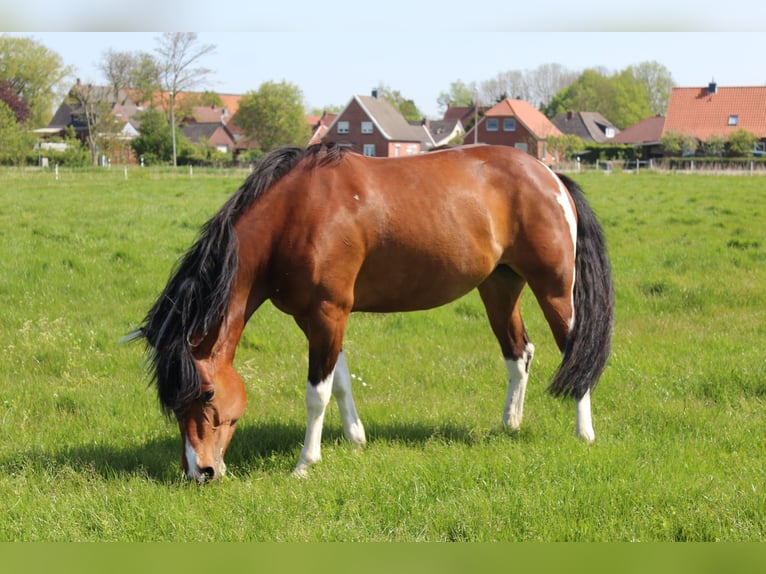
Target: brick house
{"type": "Point", "coordinates": [518, 124]}
{"type": "Point", "coordinates": [369, 125]}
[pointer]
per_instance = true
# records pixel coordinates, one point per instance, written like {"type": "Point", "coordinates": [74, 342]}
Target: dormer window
{"type": "Point", "coordinates": [733, 120]}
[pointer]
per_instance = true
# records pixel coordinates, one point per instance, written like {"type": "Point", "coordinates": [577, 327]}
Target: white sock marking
{"type": "Point", "coordinates": [353, 429]}
{"type": "Point", "coordinates": [518, 375]}
{"type": "Point", "coordinates": [317, 397]}
{"type": "Point", "coordinates": [584, 420]}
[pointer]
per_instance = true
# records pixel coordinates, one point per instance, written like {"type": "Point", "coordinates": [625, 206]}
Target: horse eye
{"type": "Point", "coordinates": [207, 396]}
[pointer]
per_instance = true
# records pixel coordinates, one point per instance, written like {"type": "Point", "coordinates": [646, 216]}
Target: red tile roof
{"type": "Point", "coordinates": [534, 120]}
{"type": "Point", "coordinates": [698, 112]}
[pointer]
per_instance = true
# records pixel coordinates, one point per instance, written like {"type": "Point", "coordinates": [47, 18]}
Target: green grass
{"type": "Point", "coordinates": [680, 413]}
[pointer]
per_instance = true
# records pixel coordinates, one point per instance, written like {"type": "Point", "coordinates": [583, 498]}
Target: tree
{"type": "Point", "coordinates": [179, 53]}
{"type": "Point", "coordinates": [658, 81]}
{"type": "Point", "coordinates": [118, 68]}
{"type": "Point", "coordinates": [714, 146]}
{"type": "Point", "coordinates": [564, 146]}
{"type": "Point", "coordinates": [35, 73]}
{"type": "Point", "coordinates": [406, 107]}
{"type": "Point", "coordinates": [741, 143]}
{"type": "Point", "coordinates": [145, 78]}
{"type": "Point", "coordinates": [274, 115]}
{"type": "Point", "coordinates": [459, 94]}
{"type": "Point", "coordinates": [93, 106]}
{"type": "Point", "coordinates": [546, 81]}
{"type": "Point", "coordinates": [510, 84]}
{"type": "Point", "coordinates": [154, 145]}
{"type": "Point", "coordinates": [621, 98]}
{"type": "Point", "coordinates": [676, 144]}
{"type": "Point", "coordinates": [15, 141]}
{"type": "Point", "coordinates": [16, 103]}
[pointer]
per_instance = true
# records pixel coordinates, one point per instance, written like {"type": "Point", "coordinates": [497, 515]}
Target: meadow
{"type": "Point", "coordinates": [680, 413]}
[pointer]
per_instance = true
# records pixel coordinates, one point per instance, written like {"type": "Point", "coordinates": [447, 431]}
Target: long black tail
{"type": "Point", "coordinates": [589, 343]}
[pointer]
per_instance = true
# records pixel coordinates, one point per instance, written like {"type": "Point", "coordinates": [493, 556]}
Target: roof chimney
{"type": "Point", "coordinates": [712, 88]}
{"type": "Point", "coordinates": [375, 93]}
{"type": "Point", "coordinates": [570, 114]}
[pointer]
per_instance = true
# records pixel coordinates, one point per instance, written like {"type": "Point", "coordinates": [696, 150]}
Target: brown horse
{"type": "Point", "coordinates": [322, 232]}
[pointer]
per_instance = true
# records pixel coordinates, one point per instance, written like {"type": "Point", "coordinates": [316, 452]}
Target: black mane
{"type": "Point", "coordinates": [196, 298]}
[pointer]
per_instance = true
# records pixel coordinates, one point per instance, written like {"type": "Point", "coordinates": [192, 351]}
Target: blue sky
{"type": "Point", "coordinates": [418, 48]}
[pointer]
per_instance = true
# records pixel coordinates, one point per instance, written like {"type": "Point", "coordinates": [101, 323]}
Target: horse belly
{"type": "Point", "coordinates": [398, 280]}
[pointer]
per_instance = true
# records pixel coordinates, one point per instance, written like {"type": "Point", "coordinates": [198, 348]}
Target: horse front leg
{"type": "Point", "coordinates": [353, 429]}
{"type": "Point", "coordinates": [324, 329]}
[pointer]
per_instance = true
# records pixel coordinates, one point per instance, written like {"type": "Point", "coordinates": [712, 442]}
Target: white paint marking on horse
{"type": "Point", "coordinates": [353, 429]}
{"type": "Point", "coordinates": [317, 397]}
{"type": "Point", "coordinates": [565, 202]}
{"type": "Point", "coordinates": [584, 420]}
{"type": "Point", "coordinates": [518, 375]}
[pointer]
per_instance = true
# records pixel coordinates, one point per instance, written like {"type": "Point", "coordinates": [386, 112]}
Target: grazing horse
{"type": "Point", "coordinates": [322, 232]}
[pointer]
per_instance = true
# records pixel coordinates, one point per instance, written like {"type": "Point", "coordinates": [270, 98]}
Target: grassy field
{"type": "Point", "coordinates": [680, 413]}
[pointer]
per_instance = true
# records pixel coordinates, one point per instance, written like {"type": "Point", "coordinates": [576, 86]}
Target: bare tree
{"type": "Point", "coordinates": [179, 53]}
{"type": "Point", "coordinates": [547, 80]}
{"type": "Point", "coordinates": [93, 118]}
{"type": "Point", "coordinates": [118, 68]}
{"type": "Point", "coordinates": [511, 84]}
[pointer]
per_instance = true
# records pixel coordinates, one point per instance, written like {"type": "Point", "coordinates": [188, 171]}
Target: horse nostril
{"type": "Point", "coordinates": [208, 473]}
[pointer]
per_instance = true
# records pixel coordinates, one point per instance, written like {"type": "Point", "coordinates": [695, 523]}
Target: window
{"type": "Point", "coordinates": [366, 127]}
{"type": "Point", "coordinates": [509, 125]}
{"type": "Point", "coordinates": [369, 150]}
{"type": "Point", "coordinates": [733, 120]}
{"type": "Point", "coordinates": [521, 146]}
{"type": "Point", "coordinates": [342, 127]}
{"type": "Point", "coordinates": [492, 124]}
{"type": "Point", "coordinates": [609, 132]}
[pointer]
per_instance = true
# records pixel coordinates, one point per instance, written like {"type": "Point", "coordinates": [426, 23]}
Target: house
{"type": "Point", "coordinates": [515, 123]}
{"type": "Point", "coordinates": [72, 114]}
{"type": "Point", "coordinates": [646, 135]}
{"type": "Point", "coordinates": [467, 115]}
{"type": "Point", "coordinates": [444, 132]}
{"type": "Point", "coordinates": [214, 135]}
{"type": "Point", "coordinates": [588, 126]}
{"type": "Point", "coordinates": [320, 125]}
{"type": "Point", "coordinates": [720, 111]}
{"type": "Point", "coordinates": [371, 126]}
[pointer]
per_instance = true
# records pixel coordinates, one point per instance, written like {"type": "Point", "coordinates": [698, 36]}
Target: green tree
{"type": "Point", "coordinates": [564, 146]}
{"type": "Point", "coordinates": [741, 143]}
{"type": "Point", "coordinates": [155, 143]}
{"type": "Point", "coordinates": [406, 107]}
{"type": "Point", "coordinates": [658, 81]}
{"type": "Point", "coordinates": [274, 115]}
{"type": "Point", "coordinates": [621, 98]}
{"type": "Point", "coordinates": [714, 146]}
{"type": "Point", "coordinates": [16, 143]}
{"type": "Point", "coordinates": [677, 144]}
{"type": "Point", "coordinates": [459, 94]}
{"type": "Point", "coordinates": [35, 73]}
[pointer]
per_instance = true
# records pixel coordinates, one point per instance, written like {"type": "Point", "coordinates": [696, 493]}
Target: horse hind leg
{"type": "Point", "coordinates": [560, 315]}
{"type": "Point", "coordinates": [501, 293]}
